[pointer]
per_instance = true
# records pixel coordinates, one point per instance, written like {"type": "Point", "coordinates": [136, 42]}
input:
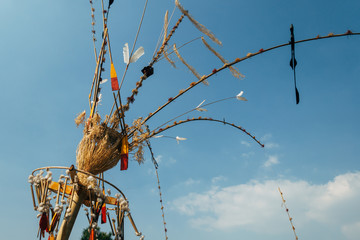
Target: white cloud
{"type": "Point", "coordinates": [271, 145]}
{"type": "Point", "coordinates": [218, 179]}
{"type": "Point", "coordinates": [166, 161]}
{"type": "Point", "coordinates": [266, 141]}
{"type": "Point", "coordinates": [247, 155]}
{"type": "Point", "coordinates": [191, 181]}
{"type": "Point", "coordinates": [266, 137]}
{"type": "Point", "coordinates": [247, 144]}
{"type": "Point", "coordinates": [171, 160]}
{"type": "Point", "coordinates": [330, 208]}
{"type": "Point", "coordinates": [351, 231]}
{"type": "Point", "coordinates": [158, 158]}
{"type": "Point", "coordinates": [272, 160]}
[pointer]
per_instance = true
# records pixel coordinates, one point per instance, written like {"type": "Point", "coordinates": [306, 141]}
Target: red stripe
{"type": "Point", "coordinates": [114, 84]}
{"type": "Point", "coordinates": [124, 161]}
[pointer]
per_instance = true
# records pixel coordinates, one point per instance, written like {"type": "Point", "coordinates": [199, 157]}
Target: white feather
{"type": "Point", "coordinates": [179, 139]}
{"type": "Point", "coordinates": [158, 136]}
{"type": "Point", "coordinates": [126, 53]}
{"type": "Point", "coordinates": [201, 103]}
{"type": "Point", "coordinates": [104, 81]}
{"type": "Point", "coordinates": [137, 54]}
{"type": "Point", "coordinates": [201, 109]}
{"type": "Point", "coordinates": [239, 96]}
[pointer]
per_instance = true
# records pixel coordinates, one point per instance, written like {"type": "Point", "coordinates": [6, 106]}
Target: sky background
{"type": "Point", "coordinates": [218, 183]}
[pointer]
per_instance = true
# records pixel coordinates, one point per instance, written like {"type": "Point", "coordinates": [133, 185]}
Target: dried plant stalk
{"type": "Point", "coordinates": [198, 25]}
{"type": "Point", "coordinates": [197, 75]}
{"type": "Point", "coordinates": [232, 69]}
{"type": "Point", "coordinates": [287, 211]}
{"type": "Point", "coordinates": [138, 140]}
{"type": "Point", "coordinates": [166, 24]}
{"type": "Point", "coordinates": [80, 119]}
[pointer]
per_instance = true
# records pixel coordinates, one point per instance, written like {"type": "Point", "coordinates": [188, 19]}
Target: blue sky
{"type": "Point", "coordinates": [217, 183]}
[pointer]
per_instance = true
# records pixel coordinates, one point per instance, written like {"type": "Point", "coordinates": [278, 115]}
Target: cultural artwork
{"type": "Point", "coordinates": [59, 192]}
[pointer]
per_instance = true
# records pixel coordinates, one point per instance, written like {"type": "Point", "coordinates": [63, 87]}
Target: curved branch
{"type": "Point", "coordinates": [205, 119]}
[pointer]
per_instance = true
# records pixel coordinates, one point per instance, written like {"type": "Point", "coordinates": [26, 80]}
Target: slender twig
{"type": "Point", "coordinates": [159, 187]}
{"type": "Point", "coordinates": [183, 45]}
{"type": "Point", "coordinates": [194, 109]}
{"type": "Point", "coordinates": [132, 50]}
{"type": "Point", "coordinates": [287, 211]}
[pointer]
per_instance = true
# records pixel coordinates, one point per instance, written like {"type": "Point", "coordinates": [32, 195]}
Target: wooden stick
{"type": "Point", "coordinates": [63, 194]}
{"type": "Point", "coordinates": [67, 224]}
{"type": "Point", "coordinates": [117, 110]}
{"type": "Point", "coordinates": [37, 190]}
{"type": "Point", "coordinates": [116, 232]}
{"type": "Point", "coordinates": [58, 194]}
{"type": "Point", "coordinates": [133, 223]}
{"type": "Point", "coordinates": [33, 197]}
{"type": "Point", "coordinates": [112, 230]}
{"type": "Point", "coordinates": [72, 197]}
{"type": "Point", "coordinates": [95, 79]}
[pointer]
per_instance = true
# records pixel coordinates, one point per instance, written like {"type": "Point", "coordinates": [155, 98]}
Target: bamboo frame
{"type": "Point", "coordinates": [86, 173]}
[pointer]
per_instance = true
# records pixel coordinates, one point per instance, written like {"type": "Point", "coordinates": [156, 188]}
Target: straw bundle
{"type": "Point", "coordinates": [80, 119]}
{"type": "Point", "coordinates": [138, 140]}
{"type": "Point", "coordinates": [99, 149]}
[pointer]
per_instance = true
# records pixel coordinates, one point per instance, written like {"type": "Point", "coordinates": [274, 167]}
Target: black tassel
{"type": "Point", "coordinates": [293, 61]}
{"type": "Point", "coordinates": [111, 2]}
{"type": "Point", "coordinates": [297, 96]}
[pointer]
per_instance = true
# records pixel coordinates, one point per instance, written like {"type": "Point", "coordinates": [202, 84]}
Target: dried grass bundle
{"type": "Point", "coordinates": [99, 149]}
{"type": "Point", "coordinates": [80, 119]}
{"type": "Point", "coordinates": [197, 75]}
{"type": "Point", "coordinates": [115, 120]}
{"type": "Point", "coordinates": [232, 69]}
{"type": "Point", "coordinates": [198, 25]}
{"type": "Point", "coordinates": [138, 140]}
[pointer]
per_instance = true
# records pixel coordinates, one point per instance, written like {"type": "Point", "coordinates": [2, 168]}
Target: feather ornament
{"type": "Point", "coordinates": [137, 54]}
{"type": "Point", "coordinates": [126, 53]}
{"type": "Point", "coordinates": [180, 139]}
{"type": "Point", "coordinates": [103, 81]}
{"type": "Point", "coordinates": [239, 96]}
{"type": "Point", "coordinates": [158, 136]}
{"type": "Point", "coordinates": [201, 109]}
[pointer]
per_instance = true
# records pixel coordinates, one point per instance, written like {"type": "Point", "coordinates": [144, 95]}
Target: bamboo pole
{"type": "Point", "coordinates": [68, 223]}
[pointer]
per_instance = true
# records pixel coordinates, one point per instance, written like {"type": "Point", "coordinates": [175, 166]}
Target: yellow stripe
{"type": "Point", "coordinates": [112, 71]}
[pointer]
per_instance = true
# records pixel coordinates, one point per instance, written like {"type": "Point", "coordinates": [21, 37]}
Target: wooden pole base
{"type": "Point", "coordinates": [67, 224]}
